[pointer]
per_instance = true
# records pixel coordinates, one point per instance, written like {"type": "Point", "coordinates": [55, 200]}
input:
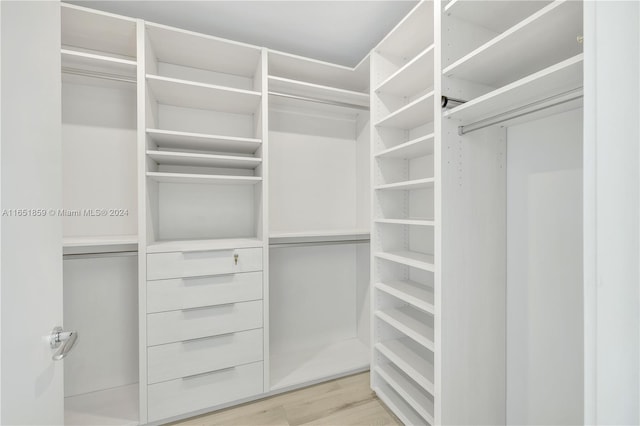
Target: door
{"type": "Point", "coordinates": [31, 382]}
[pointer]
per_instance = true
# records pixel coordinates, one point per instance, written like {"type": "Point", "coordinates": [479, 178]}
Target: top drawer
{"type": "Point", "coordinates": [200, 263]}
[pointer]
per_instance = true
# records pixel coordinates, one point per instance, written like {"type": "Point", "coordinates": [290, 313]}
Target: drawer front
{"type": "Point", "coordinates": [184, 293]}
{"type": "Point", "coordinates": [175, 360]}
{"type": "Point", "coordinates": [199, 263]}
{"type": "Point", "coordinates": [186, 324]}
{"type": "Point", "coordinates": [188, 394]}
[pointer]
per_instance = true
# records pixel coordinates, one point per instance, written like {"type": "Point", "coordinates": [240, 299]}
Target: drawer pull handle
{"type": "Point", "coordinates": [208, 337]}
{"type": "Point", "coordinates": [195, 376]}
{"type": "Point", "coordinates": [235, 258]}
{"type": "Point", "coordinates": [197, 308]}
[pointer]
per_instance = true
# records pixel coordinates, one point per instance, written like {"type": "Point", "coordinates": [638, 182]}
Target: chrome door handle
{"type": "Point", "coordinates": [63, 341]}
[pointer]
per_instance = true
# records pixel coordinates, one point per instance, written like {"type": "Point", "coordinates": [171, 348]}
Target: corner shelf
{"type": "Point", "coordinates": [409, 258]}
{"type": "Point", "coordinates": [413, 77]}
{"type": "Point", "coordinates": [412, 115]}
{"type": "Point", "coordinates": [410, 292]}
{"type": "Point", "coordinates": [410, 322]}
{"type": "Point", "coordinates": [406, 388]}
{"type": "Point", "coordinates": [316, 91]}
{"type": "Point", "coordinates": [163, 177]}
{"type": "Point", "coordinates": [409, 357]}
{"type": "Point", "coordinates": [202, 245]}
{"type": "Point", "coordinates": [545, 38]}
{"type": "Point", "coordinates": [408, 185]}
{"type": "Point", "coordinates": [199, 141]}
{"type": "Point", "coordinates": [203, 160]}
{"type": "Point", "coordinates": [189, 94]}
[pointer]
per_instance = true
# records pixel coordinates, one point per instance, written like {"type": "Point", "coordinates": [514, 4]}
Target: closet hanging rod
{"type": "Point", "coordinates": [320, 101]}
{"type": "Point", "coordinates": [551, 101]}
{"type": "Point", "coordinates": [98, 74]}
{"type": "Point", "coordinates": [101, 254]}
{"type": "Point", "coordinates": [317, 243]}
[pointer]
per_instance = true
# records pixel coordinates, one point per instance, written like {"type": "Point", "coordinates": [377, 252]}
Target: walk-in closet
{"type": "Point", "coordinates": [205, 210]}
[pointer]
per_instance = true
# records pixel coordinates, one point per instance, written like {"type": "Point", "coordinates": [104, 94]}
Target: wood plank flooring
{"type": "Point", "coordinates": [341, 402]}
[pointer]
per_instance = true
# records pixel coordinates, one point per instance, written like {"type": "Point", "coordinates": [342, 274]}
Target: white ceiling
{"type": "Point", "coordinates": [337, 31]}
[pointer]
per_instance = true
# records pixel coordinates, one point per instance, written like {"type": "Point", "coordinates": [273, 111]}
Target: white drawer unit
{"type": "Point", "coordinates": [192, 292]}
{"type": "Point", "coordinates": [189, 357]}
{"type": "Point", "coordinates": [201, 263]}
{"type": "Point", "coordinates": [193, 323]}
{"type": "Point", "coordinates": [204, 390]}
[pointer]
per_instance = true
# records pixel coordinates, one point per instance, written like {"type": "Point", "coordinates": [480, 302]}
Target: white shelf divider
{"type": "Point", "coordinates": [408, 185]}
{"type": "Point", "coordinates": [414, 148]}
{"type": "Point", "coordinates": [412, 115]}
{"type": "Point", "coordinates": [189, 94]}
{"type": "Point", "coordinates": [407, 388]}
{"type": "Point", "coordinates": [203, 179]}
{"type": "Point", "coordinates": [410, 358]}
{"type": "Point", "coordinates": [413, 77]}
{"type": "Point", "coordinates": [203, 160]}
{"type": "Point", "coordinates": [199, 141]}
{"type": "Point", "coordinates": [410, 322]}
{"type": "Point", "coordinates": [409, 258]}
{"type": "Point", "coordinates": [201, 245]}
{"type": "Point", "coordinates": [412, 222]}
{"type": "Point", "coordinates": [354, 235]}
{"type": "Point", "coordinates": [316, 91]}
{"type": "Point", "coordinates": [411, 292]}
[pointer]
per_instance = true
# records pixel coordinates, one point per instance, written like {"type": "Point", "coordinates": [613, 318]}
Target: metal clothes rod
{"type": "Point", "coordinates": [317, 243]}
{"type": "Point", "coordinates": [101, 254]}
{"type": "Point", "coordinates": [543, 104]}
{"type": "Point", "coordinates": [320, 101]}
{"type": "Point", "coordinates": [98, 74]}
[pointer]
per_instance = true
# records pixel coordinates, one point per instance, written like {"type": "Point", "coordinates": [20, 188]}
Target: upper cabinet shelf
{"type": "Point", "coordinates": [316, 91]}
{"type": "Point", "coordinates": [176, 92]}
{"type": "Point", "coordinates": [543, 39]}
{"type": "Point", "coordinates": [414, 77]}
{"type": "Point", "coordinates": [411, 35]}
{"type": "Point", "coordinates": [93, 31]}
{"type": "Point", "coordinates": [495, 15]}
{"type": "Point", "coordinates": [193, 50]}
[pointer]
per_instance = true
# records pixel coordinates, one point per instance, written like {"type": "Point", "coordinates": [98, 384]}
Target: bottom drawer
{"type": "Point", "coordinates": [181, 396]}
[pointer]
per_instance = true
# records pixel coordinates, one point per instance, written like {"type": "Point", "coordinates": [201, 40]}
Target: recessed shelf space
{"type": "Point", "coordinates": [411, 35]}
{"type": "Point", "coordinates": [415, 360]}
{"type": "Point", "coordinates": [416, 294]}
{"type": "Point", "coordinates": [416, 397]}
{"type": "Point", "coordinates": [408, 185]}
{"type": "Point", "coordinates": [412, 115]}
{"type": "Point", "coordinates": [203, 160]}
{"type": "Point", "coordinates": [328, 94]}
{"type": "Point", "coordinates": [411, 322]}
{"type": "Point", "coordinates": [74, 61]}
{"type": "Point", "coordinates": [417, 147]}
{"type": "Point", "coordinates": [495, 15]}
{"type": "Point", "coordinates": [189, 94]}
{"type": "Point", "coordinates": [414, 77]}
{"type": "Point", "coordinates": [202, 244]}
{"type": "Point", "coordinates": [116, 406]}
{"type": "Point", "coordinates": [167, 139]}
{"type": "Point", "coordinates": [165, 177]}
{"type": "Point", "coordinates": [545, 38]}
{"type": "Point", "coordinates": [409, 258]}
{"type": "Point", "coordinates": [556, 79]}
{"type": "Point", "coordinates": [398, 405]}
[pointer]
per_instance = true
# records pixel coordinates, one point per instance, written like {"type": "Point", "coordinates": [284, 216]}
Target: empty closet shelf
{"type": "Point", "coordinates": [99, 244]}
{"type": "Point", "coordinates": [410, 36]}
{"type": "Point", "coordinates": [189, 94]}
{"type": "Point", "coordinates": [416, 294]}
{"type": "Point", "coordinates": [203, 179]}
{"type": "Point", "coordinates": [200, 141]}
{"type": "Point", "coordinates": [417, 147]}
{"type": "Point", "coordinates": [497, 16]}
{"type": "Point", "coordinates": [544, 38]}
{"type": "Point", "coordinates": [416, 397]}
{"type": "Point", "coordinates": [398, 405]}
{"type": "Point", "coordinates": [411, 322]}
{"type": "Point", "coordinates": [319, 237]}
{"type": "Point", "coordinates": [203, 160]}
{"type": "Point", "coordinates": [414, 77]}
{"type": "Point", "coordinates": [410, 184]}
{"type": "Point", "coordinates": [412, 222]}
{"type": "Point", "coordinates": [411, 358]}
{"type": "Point", "coordinates": [409, 258]}
{"type": "Point", "coordinates": [82, 63]}
{"type": "Point", "coordinates": [203, 245]}
{"type": "Point", "coordinates": [115, 406]}
{"type": "Point", "coordinates": [412, 115]}
{"type": "Point", "coordinates": [303, 89]}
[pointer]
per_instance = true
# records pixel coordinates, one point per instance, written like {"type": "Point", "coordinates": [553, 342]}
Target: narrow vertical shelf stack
{"type": "Point", "coordinates": [204, 142]}
{"type": "Point", "coordinates": [404, 204]}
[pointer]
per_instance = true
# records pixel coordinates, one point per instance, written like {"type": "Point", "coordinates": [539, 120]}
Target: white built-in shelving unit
{"type": "Point", "coordinates": [404, 205]}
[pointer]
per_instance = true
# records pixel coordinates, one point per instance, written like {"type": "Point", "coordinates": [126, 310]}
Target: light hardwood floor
{"type": "Point", "coordinates": [340, 402]}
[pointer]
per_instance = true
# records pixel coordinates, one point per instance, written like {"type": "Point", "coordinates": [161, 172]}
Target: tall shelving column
{"type": "Point", "coordinates": [404, 205]}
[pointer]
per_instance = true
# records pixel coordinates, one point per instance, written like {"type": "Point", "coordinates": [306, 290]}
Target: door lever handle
{"type": "Point", "coordinates": [63, 341]}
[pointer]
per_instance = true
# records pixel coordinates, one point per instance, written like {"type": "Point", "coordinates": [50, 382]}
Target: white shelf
{"type": "Point", "coordinates": [306, 366]}
{"type": "Point", "coordinates": [200, 245]}
{"type": "Point", "coordinates": [203, 160]}
{"type": "Point", "coordinates": [409, 258]}
{"type": "Point", "coordinates": [354, 235]}
{"type": "Point", "coordinates": [411, 322]}
{"type": "Point", "coordinates": [545, 38]}
{"type": "Point", "coordinates": [203, 179]}
{"type": "Point", "coordinates": [411, 35]}
{"type": "Point", "coordinates": [559, 78]}
{"type": "Point", "coordinates": [316, 91]}
{"type": "Point", "coordinates": [412, 222]}
{"type": "Point", "coordinates": [189, 94]}
{"type": "Point", "coordinates": [181, 47]}
{"type": "Point", "coordinates": [411, 292]}
{"type": "Point", "coordinates": [111, 407]}
{"type": "Point", "coordinates": [99, 244]}
{"type": "Point", "coordinates": [408, 390]}
{"type": "Point", "coordinates": [497, 16]}
{"type": "Point", "coordinates": [199, 141]}
{"type": "Point", "coordinates": [414, 77]}
{"type": "Point", "coordinates": [398, 406]}
{"type": "Point", "coordinates": [408, 185]}
{"type": "Point", "coordinates": [97, 31]}
{"type": "Point", "coordinates": [82, 61]}
{"type": "Point", "coordinates": [411, 358]}
{"type": "Point", "coordinates": [414, 148]}
{"type": "Point", "coordinates": [412, 115]}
